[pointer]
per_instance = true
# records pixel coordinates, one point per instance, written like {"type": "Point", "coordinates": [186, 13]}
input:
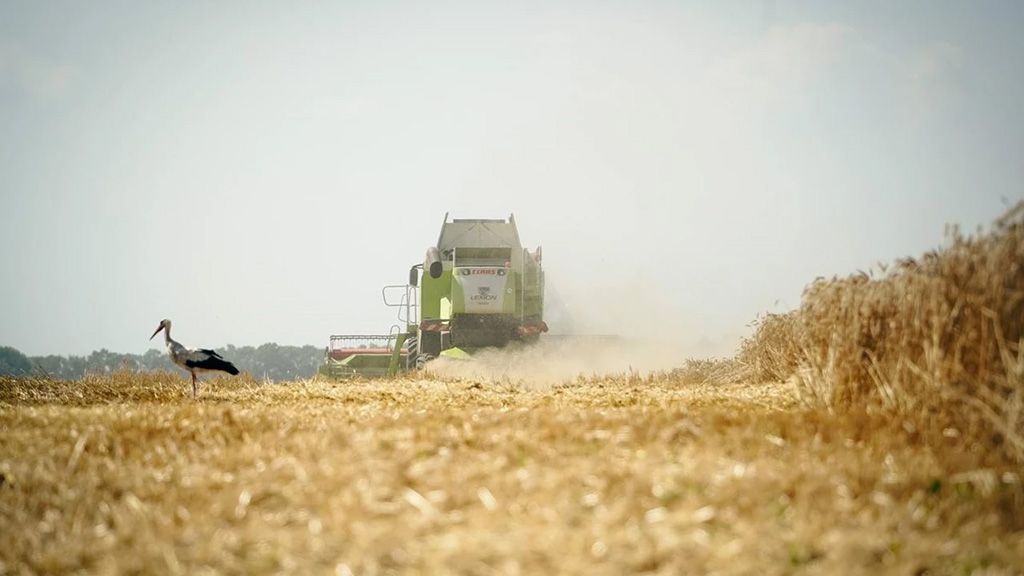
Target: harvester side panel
{"type": "Point", "coordinates": [435, 296]}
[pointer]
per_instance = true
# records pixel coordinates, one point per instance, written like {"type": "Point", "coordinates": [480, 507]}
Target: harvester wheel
{"type": "Point", "coordinates": [422, 360]}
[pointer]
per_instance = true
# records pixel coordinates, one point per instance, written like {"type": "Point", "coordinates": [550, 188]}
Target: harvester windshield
{"type": "Point", "coordinates": [469, 256]}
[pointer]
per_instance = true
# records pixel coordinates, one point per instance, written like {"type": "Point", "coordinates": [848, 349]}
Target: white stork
{"type": "Point", "coordinates": [198, 360]}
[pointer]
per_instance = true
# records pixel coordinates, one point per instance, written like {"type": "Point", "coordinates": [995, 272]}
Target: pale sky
{"type": "Point", "coordinates": [257, 171]}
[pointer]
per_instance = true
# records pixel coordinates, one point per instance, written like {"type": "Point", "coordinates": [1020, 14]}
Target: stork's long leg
{"type": "Point", "coordinates": [193, 385]}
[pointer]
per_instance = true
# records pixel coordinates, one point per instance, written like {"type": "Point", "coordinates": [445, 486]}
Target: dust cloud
{"type": "Point", "coordinates": [557, 359]}
{"type": "Point", "coordinates": [600, 326]}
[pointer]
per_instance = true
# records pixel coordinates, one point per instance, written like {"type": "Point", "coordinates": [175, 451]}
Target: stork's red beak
{"type": "Point", "coordinates": [158, 329]}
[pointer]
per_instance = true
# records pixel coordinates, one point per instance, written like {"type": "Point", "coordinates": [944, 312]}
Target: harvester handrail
{"type": "Point", "coordinates": [408, 301]}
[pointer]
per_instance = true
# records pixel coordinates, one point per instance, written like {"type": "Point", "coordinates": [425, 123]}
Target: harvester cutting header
{"type": "Point", "coordinates": [477, 287]}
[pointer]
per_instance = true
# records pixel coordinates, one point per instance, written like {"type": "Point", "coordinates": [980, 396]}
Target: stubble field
{"type": "Point", "coordinates": [664, 474]}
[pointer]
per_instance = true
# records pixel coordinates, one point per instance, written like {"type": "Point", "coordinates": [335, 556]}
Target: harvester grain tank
{"type": "Point", "coordinates": [477, 287]}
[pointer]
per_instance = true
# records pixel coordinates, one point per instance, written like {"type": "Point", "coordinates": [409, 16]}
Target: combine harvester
{"type": "Point", "coordinates": [477, 288]}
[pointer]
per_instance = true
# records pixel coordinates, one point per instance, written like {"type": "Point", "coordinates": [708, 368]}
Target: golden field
{"type": "Point", "coordinates": [665, 474]}
{"type": "Point", "coordinates": [878, 428]}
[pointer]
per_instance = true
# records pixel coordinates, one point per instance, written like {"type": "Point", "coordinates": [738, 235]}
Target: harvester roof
{"type": "Point", "coordinates": [478, 233]}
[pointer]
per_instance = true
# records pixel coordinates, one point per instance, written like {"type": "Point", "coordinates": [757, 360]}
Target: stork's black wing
{"type": "Point", "coordinates": [202, 359]}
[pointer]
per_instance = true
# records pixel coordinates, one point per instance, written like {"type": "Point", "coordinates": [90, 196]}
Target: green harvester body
{"type": "Point", "coordinates": [476, 288]}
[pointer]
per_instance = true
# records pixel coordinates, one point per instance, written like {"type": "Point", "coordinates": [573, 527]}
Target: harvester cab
{"type": "Point", "coordinates": [476, 288]}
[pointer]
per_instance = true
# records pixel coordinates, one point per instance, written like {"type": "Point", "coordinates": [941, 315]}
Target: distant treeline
{"type": "Point", "coordinates": [267, 361]}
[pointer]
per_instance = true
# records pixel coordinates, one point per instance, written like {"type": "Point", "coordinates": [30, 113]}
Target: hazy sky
{"type": "Point", "coordinates": [257, 171]}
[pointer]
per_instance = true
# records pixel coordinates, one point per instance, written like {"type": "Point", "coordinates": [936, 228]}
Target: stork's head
{"type": "Point", "coordinates": [164, 324]}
